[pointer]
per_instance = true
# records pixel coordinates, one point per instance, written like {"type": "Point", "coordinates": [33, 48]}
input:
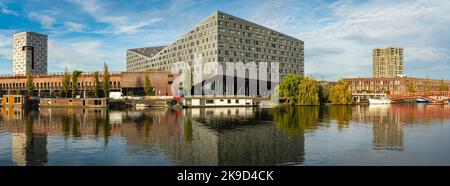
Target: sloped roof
{"type": "Point", "coordinates": [148, 51]}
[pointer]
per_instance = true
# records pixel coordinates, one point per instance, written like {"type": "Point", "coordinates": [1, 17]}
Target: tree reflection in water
{"type": "Point", "coordinates": [295, 120]}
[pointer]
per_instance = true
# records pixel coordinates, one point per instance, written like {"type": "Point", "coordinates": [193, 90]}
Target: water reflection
{"type": "Point", "coordinates": [243, 136]}
{"type": "Point", "coordinates": [207, 136]}
{"type": "Point", "coordinates": [28, 147]}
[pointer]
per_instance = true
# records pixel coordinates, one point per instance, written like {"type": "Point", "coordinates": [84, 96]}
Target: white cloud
{"type": "Point", "coordinates": [5, 10]}
{"type": "Point", "coordinates": [82, 55]}
{"type": "Point", "coordinates": [6, 44]}
{"type": "Point", "coordinates": [427, 54]}
{"type": "Point", "coordinates": [355, 27]}
{"type": "Point", "coordinates": [72, 26]}
{"type": "Point", "coordinates": [125, 23]}
{"type": "Point", "coordinates": [45, 20]}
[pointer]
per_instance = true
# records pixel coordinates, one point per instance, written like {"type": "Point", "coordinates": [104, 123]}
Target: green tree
{"type": "Point", "coordinates": [427, 86]}
{"type": "Point", "coordinates": [65, 83]}
{"type": "Point", "coordinates": [96, 83]}
{"type": "Point", "coordinates": [299, 90]}
{"type": "Point", "coordinates": [106, 85]}
{"type": "Point", "coordinates": [308, 92]}
{"type": "Point", "coordinates": [147, 86]}
{"type": "Point", "coordinates": [340, 94]}
{"type": "Point", "coordinates": [75, 75]}
{"type": "Point", "coordinates": [288, 87]}
{"type": "Point", "coordinates": [324, 92]}
{"type": "Point", "coordinates": [411, 86]}
{"type": "Point", "coordinates": [29, 85]}
{"type": "Point", "coordinates": [442, 86]}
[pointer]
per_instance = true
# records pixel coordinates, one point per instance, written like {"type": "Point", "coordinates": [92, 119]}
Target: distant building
{"type": "Point", "coordinates": [388, 62]}
{"type": "Point", "coordinates": [394, 85]}
{"type": "Point", "coordinates": [224, 38]}
{"type": "Point", "coordinates": [29, 53]}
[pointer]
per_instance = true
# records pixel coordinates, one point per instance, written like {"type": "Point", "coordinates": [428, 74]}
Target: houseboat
{"type": "Point", "coordinates": [231, 101]}
{"type": "Point", "coordinates": [74, 102]}
{"type": "Point", "coordinates": [15, 100]}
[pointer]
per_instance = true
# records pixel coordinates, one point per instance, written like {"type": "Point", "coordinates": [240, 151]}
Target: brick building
{"type": "Point", "coordinates": [50, 85]}
{"type": "Point", "coordinates": [394, 84]}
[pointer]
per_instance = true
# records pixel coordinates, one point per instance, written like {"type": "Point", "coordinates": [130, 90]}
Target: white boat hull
{"type": "Point", "coordinates": [142, 105]}
{"type": "Point", "coordinates": [379, 101]}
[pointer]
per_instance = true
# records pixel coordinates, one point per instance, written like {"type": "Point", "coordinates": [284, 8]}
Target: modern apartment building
{"type": "Point", "coordinates": [224, 38]}
{"type": "Point", "coordinates": [139, 58]}
{"type": "Point", "coordinates": [388, 62]}
{"type": "Point", "coordinates": [29, 53]}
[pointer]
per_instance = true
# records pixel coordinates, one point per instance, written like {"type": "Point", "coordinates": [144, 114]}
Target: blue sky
{"type": "Point", "coordinates": [338, 35]}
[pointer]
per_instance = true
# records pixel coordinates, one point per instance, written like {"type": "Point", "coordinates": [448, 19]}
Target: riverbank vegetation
{"type": "Point", "coordinates": [300, 90]}
{"type": "Point", "coordinates": [340, 94]}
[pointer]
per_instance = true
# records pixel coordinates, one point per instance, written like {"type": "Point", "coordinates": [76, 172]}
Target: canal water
{"type": "Point", "coordinates": [397, 134]}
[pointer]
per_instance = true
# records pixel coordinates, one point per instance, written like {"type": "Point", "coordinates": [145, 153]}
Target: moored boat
{"type": "Point", "coordinates": [379, 101]}
{"type": "Point", "coordinates": [142, 105]}
{"type": "Point", "coordinates": [420, 100]}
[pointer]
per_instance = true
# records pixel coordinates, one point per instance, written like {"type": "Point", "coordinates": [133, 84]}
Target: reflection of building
{"type": "Point", "coordinates": [387, 136]}
{"type": "Point", "coordinates": [387, 128]}
{"type": "Point", "coordinates": [29, 53]}
{"type": "Point", "coordinates": [387, 62]}
{"type": "Point", "coordinates": [221, 112]}
{"type": "Point", "coordinates": [387, 124]}
{"type": "Point", "coordinates": [12, 113]}
{"type": "Point", "coordinates": [225, 38]}
{"type": "Point", "coordinates": [219, 140]}
{"type": "Point", "coordinates": [29, 149]}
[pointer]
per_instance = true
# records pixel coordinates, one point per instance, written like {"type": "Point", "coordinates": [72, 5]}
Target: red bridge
{"type": "Point", "coordinates": [431, 96]}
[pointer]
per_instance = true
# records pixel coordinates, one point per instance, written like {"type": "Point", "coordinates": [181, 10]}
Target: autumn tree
{"type": "Point", "coordinates": [96, 83]}
{"type": "Point", "coordinates": [324, 92]}
{"type": "Point", "coordinates": [65, 83]}
{"type": "Point", "coordinates": [442, 86]}
{"type": "Point", "coordinates": [75, 75]}
{"type": "Point", "coordinates": [411, 86]}
{"type": "Point", "coordinates": [340, 94]}
{"type": "Point", "coordinates": [147, 86]}
{"type": "Point", "coordinates": [106, 85]}
{"type": "Point", "coordinates": [29, 85]}
{"type": "Point", "coordinates": [299, 90]}
{"type": "Point", "coordinates": [288, 87]}
{"type": "Point", "coordinates": [308, 92]}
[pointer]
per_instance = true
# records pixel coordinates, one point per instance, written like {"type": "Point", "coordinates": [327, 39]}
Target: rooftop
{"type": "Point", "coordinates": [148, 51]}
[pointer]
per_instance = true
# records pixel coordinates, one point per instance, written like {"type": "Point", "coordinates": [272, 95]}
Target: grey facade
{"type": "Point", "coordinates": [225, 38]}
{"type": "Point", "coordinates": [29, 53]}
{"type": "Point", "coordinates": [139, 58]}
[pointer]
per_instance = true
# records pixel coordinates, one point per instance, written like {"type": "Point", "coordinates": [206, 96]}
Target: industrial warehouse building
{"type": "Point", "coordinates": [50, 85]}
